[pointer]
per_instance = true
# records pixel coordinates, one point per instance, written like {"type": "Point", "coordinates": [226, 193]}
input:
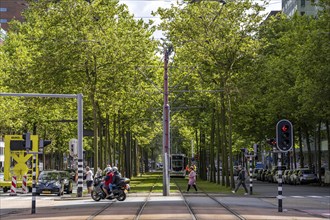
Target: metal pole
{"type": "Point", "coordinates": [166, 125]}
{"type": "Point", "coordinates": [80, 144]}
{"type": "Point", "coordinates": [279, 180]}
{"type": "Point", "coordinates": [34, 164]}
{"type": "Point", "coordinates": [251, 184]}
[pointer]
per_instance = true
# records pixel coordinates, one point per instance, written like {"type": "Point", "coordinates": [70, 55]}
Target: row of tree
{"type": "Point", "coordinates": [232, 74]}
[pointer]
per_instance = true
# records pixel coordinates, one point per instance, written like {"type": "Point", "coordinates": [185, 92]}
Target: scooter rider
{"type": "Point", "coordinates": [107, 181]}
{"type": "Point", "coordinates": [115, 180]}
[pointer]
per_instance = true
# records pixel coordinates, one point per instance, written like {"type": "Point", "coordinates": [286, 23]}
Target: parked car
{"type": "Point", "coordinates": [255, 173]}
{"type": "Point", "coordinates": [307, 176]}
{"type": "Point", "coordinates": [264, 176]}
{"type": "Point", "coordinates": [50, 182]}
{"type": "Point", "coordinates": [294, 177]}
{"type": "Point", "coordinates": [286, 176]}
{"type": "Point", "coordinates": [270, 176]}
{"type": "Point", "coordinates": [66, 177]}
{"type": "Point", "coordinates": [260, 171]}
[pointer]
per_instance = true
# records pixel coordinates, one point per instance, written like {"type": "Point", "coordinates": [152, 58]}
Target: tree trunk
{"type": "Point", "coordinates": [309, 151]}
{"type": "Point", "coordinates": [328, 138]}
{"type": "Point", "coordinates": [301, 154]}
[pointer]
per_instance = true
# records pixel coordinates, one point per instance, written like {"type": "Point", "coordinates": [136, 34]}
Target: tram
{"type": "Point", "coordinates": [178, 163]}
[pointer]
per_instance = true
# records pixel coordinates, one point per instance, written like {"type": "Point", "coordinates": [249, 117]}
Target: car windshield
{"type": "Point", "coordinates": [306, 171]}
{"type": "Point", "coordinates": [48, 176]}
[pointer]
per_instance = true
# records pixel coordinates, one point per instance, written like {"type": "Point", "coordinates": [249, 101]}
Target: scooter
{"type": "Point", "coordinates": [119, 191]}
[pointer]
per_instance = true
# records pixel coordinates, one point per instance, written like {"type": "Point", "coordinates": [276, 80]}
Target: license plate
{"type": "Point", "coordinates": [46, 192]}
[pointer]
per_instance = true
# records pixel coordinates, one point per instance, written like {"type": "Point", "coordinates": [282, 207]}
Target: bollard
{"type": "Point", "coordinates": [24, 187]}
{"type": "Point", "coordinates": [13, 186]}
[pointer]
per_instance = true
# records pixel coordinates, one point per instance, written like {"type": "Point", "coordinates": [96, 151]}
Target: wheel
{"type": "Point", "coordinates": [121, 196]}
{"type": "Point", "coordinates": [95, 196]}
{"type": "Point", "coordinates": [5, 189]}
{"type": "Point", "coordinates": [29, 189]}
{"type": "Point", "coordinates": [69, 189]}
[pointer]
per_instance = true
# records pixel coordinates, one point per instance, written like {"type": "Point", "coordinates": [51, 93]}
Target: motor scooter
{"type": "Point", "coordinates": [119, 191]}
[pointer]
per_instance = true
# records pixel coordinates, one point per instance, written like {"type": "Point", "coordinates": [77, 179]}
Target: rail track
{"type": "Point", "coordinates": [188, 209]}
{"type": "Point", "coordinates": [205, 194]}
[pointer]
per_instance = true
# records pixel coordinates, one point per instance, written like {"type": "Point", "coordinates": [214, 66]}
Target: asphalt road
{"type": "Point", "coordinates": [300, 202]}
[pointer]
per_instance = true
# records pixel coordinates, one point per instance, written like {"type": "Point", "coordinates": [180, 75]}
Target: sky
{"type": "Point", "coordinates": [143, 8]}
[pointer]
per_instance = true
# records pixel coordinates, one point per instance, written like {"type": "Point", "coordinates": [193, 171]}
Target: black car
{"type": "Point", "coordinates": [67, 181]}
{"type": "Point", "coordinates": [50, 182]}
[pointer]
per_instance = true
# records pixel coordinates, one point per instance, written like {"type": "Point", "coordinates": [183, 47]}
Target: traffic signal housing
{"type": "Point", "coordinates": [43, 144]}
{"type": "Point", "coordinates": [284, 135]}
{"type": "Point", "coordinates": [27, 138]}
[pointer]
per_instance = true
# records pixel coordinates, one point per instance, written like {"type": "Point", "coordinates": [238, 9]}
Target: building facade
{"type": "Point", "coordinates": [10, 10]}
{"type": "Point", "coordinates": [302, 7]}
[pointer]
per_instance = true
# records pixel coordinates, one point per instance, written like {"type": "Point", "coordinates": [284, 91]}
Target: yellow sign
{"type": "Point", "coordinates": [18, 162]}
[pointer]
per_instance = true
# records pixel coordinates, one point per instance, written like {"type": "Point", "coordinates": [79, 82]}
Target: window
{"type": "Point", "coordinates": [3, 9]}
{"type": "Point", "coordinates": [303, 3]}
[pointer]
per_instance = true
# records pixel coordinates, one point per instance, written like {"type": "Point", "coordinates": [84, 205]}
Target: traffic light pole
{"type": "Point", "coordinates": [279, 180]}
{"type": "Point", "coordinates": [251, 180]}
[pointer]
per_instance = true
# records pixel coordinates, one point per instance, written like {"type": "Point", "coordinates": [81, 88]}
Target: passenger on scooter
{"type": "Point", "coordinates": [115, 180]}
{"type": "Point", "coordinates": [107, 181]}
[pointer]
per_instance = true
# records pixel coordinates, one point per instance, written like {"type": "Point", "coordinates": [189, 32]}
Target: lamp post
{"type": "Point", "coordinates": [166, 126]}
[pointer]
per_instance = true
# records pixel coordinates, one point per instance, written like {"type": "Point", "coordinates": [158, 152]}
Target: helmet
{"type": "Point", "coordinates": [115, 169]}
{"type": "Point", "coordinates": [107, 170]}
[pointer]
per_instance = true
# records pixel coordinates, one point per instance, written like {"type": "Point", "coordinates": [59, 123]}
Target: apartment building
{"type": "Point", "coordinates": [303, 7]}
{"type": "Point", "coordinates": [10, 9]}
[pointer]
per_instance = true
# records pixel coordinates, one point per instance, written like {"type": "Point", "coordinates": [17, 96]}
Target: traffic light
{"type": "Point", "coordinates": [27, 139]}
{"type": "Point", "coordinates": [284, 135]}
{"type": "Point", "coordinates": [271, 141]}
{"type": "Point", "coordinates": [43, 143]}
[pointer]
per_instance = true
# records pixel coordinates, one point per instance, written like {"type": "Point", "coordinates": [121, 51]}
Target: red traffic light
{"type": "Point", "coordinates": [285, 128]}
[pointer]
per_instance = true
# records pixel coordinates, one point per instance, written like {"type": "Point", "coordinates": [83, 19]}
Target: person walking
{"type": "Point", "coordinates": [89, 179]}
{"type": "Point", "coordinates": [192, 179]}
{"type": "Point", "coordinates": [241, 180]}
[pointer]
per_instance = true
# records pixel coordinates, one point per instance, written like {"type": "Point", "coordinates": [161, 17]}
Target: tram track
{"type": "Point", "coordinates": [192, 210]}
{"type": "Point", "coordinates": [141, 208]}
{"type": "Point", "coordinates": [223, 205]}
{"type": "Point", "coordinates": [139, 211]}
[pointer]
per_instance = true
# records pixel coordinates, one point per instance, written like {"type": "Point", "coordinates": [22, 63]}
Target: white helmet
{"type": "Point", "coordinates": [107, 170]}
{"type": "Point", "coordinates": [115, 169]}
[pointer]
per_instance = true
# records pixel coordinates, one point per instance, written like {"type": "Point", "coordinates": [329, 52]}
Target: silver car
{"type": "Point", "coordinates": [307, 176]}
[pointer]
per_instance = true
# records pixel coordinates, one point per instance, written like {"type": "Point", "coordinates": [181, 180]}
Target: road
{"type": "Point", "coordinates": [300, 202]}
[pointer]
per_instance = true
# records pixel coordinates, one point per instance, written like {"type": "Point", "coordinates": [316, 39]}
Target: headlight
{"type": "Point", "coordinates": [57, 184]}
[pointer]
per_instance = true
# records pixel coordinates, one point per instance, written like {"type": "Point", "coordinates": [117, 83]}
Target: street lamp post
{"type": "Point", "coordinates": [166, 127]}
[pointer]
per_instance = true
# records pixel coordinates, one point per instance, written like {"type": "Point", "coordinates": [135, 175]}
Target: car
{"type": "Point", "coordinates": [50, 182]}
{"type": "Point", "coordinates": [264, 176]}
{"type": "Point", "coordinates": [255, 173]}
{"type": "Point", "coordinates": [259, 174]}
{"type": "Point", "coordinates": [270, 176]}
{"type": "Point", "coordinates": [307, 176]}
{"type": "Point", "coordinates": [66, 177]}
{"type": "Point", "coordinates": [286, 176]}
{"type": "Point", "coordinates": [294, 177]}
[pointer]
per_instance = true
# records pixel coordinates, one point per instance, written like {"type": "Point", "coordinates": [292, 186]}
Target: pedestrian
{"type": "Point", "coordinates": [192, 179]}
{"type": "Point", "coordinates": [241, 180]}
{"type": "Point", "coordinates": [89, 179]}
